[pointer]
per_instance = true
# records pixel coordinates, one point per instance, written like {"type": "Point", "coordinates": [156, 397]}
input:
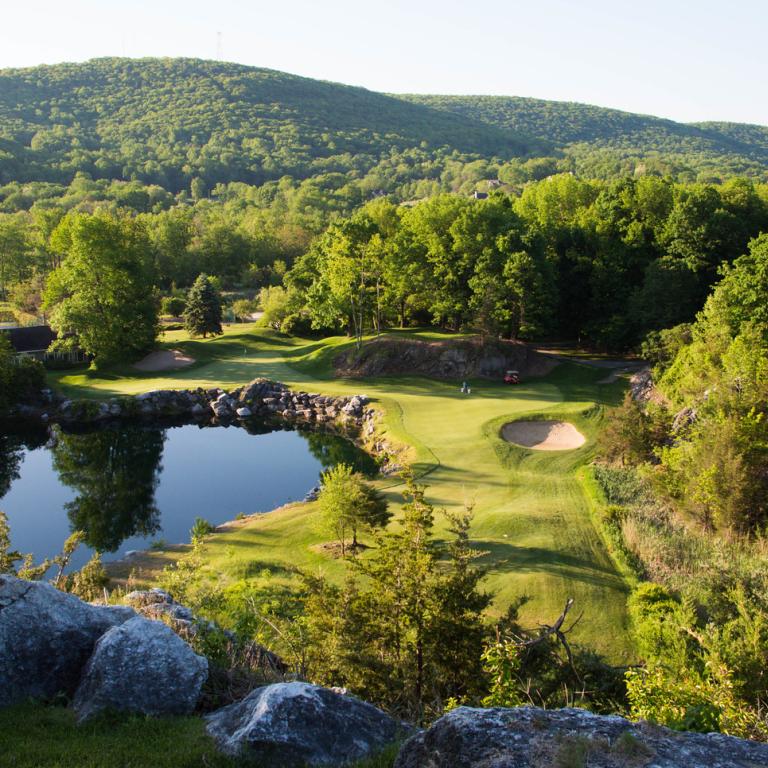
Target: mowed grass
{"type": "Point", "coordinates": [532, 515]}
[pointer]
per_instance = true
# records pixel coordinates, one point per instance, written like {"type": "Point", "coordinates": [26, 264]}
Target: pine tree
{"type": "Point", "coordinates": [406, 629]}
{"type": "Point", "coordinates": [202, 315]}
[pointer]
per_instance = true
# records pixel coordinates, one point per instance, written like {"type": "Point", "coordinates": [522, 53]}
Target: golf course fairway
{"type": "Point", "coordinates": [534, 511]}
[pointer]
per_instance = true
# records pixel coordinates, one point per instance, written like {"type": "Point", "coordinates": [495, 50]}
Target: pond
{"type": "Point", "coordinates": [129, 486]}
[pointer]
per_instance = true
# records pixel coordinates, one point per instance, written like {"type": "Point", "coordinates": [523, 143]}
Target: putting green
{"type": "Point", "coordinates": [533, 510]}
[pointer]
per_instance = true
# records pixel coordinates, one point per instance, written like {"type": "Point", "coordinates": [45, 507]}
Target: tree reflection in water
{"type": "Point", "coordinates": [331, 450]}
{"type": "Point", "coordinates": [12, 448]}
{"type": "Point", "coordinates": [115, 473]}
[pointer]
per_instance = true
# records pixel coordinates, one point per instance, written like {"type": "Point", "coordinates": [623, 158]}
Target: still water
{"type": "Point", "coordinates": [130, 486]}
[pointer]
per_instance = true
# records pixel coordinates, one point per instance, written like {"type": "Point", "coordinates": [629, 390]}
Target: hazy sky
{"type": "Point", "coordinates": [683, 59]}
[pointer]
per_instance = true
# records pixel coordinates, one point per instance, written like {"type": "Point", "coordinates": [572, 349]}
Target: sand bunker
{"type": "Point", "coordinates": [164, 360]}
{"type": "Point", "coordinates": [543, 435]}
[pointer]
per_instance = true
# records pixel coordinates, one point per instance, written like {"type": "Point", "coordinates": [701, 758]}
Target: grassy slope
{"type": "Point", "coordinates": [532, 515]}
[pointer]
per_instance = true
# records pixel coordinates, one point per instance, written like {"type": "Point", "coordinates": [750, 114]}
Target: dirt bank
{"type": "Point", "coordinates": [451, 358]}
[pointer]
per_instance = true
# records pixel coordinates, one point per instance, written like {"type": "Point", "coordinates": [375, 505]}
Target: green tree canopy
{"type": "Point", "coordinates": [103, 292]}
{"type": "Point", "coordinates": [349, 505]}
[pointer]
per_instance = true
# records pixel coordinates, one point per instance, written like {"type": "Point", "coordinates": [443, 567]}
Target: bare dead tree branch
{"type": "Point", "coordinates": [557, 631]}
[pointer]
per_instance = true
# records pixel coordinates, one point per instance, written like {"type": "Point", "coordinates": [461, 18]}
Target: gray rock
{"type": "Point", "coordinates": [221, 410]}
{"type": "Point", "coordinates": [244, 412]}
{"type": "Point", "coordinates": [141, 666]}
{"type": "Point", "coordinates": [158, 604]}
{"type": "Point", "coordinates": [527, 737]}
{"type": "Point", "coordinates": [297, 724]}
{"type": "Point", "coordinates": [46, 637]}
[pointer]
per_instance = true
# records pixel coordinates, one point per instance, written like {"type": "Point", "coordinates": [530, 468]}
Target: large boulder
{"type": "Point", "coordinates": [141, 666]}
{"type": "Point", "coordinates": [527, 737]}
{"type": "Point", "coordinates": [297, 724]}
{"type": "Point", "coordinates": [46, 638]}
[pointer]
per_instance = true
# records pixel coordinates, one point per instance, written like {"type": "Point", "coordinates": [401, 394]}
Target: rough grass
{"type": "Point", "coordinates": [533, 517]}
{"type": "Point", "coordinates": [39, 736]}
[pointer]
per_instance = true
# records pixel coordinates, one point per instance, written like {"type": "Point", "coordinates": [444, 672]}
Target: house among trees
{"type": "Point", "coordinates": [480, 195]}
{"type": "Point", "coordinates": [32, 341]}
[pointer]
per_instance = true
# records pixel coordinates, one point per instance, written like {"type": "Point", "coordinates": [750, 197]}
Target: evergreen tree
{"type": "Point", "coordinates": [406, 630]}
{"type": "Point", "coordinates": [202, 315]}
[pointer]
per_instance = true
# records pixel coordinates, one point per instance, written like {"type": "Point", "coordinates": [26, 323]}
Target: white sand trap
{"type": "Point", "coordinates": [164, 360]}
{"type": "Point", "coordinates": [543, 435]}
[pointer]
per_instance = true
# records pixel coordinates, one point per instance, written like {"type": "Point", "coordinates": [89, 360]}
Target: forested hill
{"type": "Point", "coordinates": [599, 139]}
{"type": "Point", "coordinates": [190, 125]}
{"type": "Point", "coordinates": [165, 121]}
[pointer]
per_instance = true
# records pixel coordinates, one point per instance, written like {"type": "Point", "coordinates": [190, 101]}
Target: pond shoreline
{"type": "Point", "coordinates": [258, 407]}
{"type": "Point", "coordinates": [261, 401]}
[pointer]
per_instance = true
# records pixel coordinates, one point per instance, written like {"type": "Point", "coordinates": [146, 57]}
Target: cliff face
{"type": "Point", "coordinates": [450, 359]}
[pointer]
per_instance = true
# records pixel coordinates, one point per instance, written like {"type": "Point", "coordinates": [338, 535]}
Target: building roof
{"type": "Point", "coordinates": [35, 338]}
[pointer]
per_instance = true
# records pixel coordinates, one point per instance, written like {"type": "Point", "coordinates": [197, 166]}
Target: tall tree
{"type": "Point", "coordinates": [202, 315]}
{"type": "Point", "coordinates": [103, 292]}
{"type": "Point", "coordinates": [14, 252]}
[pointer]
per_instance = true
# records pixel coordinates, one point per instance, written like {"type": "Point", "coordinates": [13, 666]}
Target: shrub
{"type": "Point", "coordinates": [172, 305]}
{"type": "Point", "coordinates": [27, 378]}
{"type": "Point", "coordinates": [201, 528]}
{"type": "Point", "coordinates": [296, 324]}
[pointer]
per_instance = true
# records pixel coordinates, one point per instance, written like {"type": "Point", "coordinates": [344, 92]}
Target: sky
{"type": "Point", "coordinates": [687, 60]}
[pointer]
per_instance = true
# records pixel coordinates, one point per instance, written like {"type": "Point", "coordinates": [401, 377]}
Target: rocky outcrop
{"type": "Point", "coordinates": [450, 359]}
{"type": "Point", "coordinates": [141, 666]}
{"type": "Point", "coordinates": [683, 419]}
{"type": "Point", "coordinates": [159, 605]}
{"type": "Point", "coordinates": [46, 638]}
{"type": "Point", "coordinates": [261, 399]}
{"type": "Point", "coordinates": [297, 724]}
{"type": "Point", "coordinates": [641, 385]}
{"type": "Point", "coordinates": [527, 737]}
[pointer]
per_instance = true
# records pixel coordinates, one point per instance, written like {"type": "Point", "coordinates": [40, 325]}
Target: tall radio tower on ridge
{"type": "Point", "coordinates": [218, 46]}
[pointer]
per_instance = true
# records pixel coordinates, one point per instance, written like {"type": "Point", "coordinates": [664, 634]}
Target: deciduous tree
{"type": "Point", "coordinates": [103, 292]}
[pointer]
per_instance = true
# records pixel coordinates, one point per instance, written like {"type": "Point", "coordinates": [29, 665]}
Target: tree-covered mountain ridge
{"type": "Point", "coordinates": [581, 129]}
{"type": "Point", "coordinates": [169, 121]}
{"type": "Point", "coordinates": [165, 120]}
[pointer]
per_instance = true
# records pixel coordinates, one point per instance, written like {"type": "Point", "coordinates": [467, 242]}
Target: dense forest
{"type": "Point", "coordinates": [684, 471]}
{"type": "Point", "coordinates": [188, 125]}
{"type": "Point", "coordinates": [169, 122]}
{"type": "Point", "coordinates": [600, 262]}
{"type": "Point", "coordinates": [603, 142]}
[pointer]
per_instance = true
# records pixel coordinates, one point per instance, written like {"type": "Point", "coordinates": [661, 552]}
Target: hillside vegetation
{"type": "Point", "coordinates": [604, 142]}
{"type": "Point", "coordinates": [167, 121]}
{"type": "Point", "coordinates": [170, 122]}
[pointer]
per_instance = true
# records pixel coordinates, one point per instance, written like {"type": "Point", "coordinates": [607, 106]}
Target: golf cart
{"type": "Point", "coordinates": [512, 377]}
